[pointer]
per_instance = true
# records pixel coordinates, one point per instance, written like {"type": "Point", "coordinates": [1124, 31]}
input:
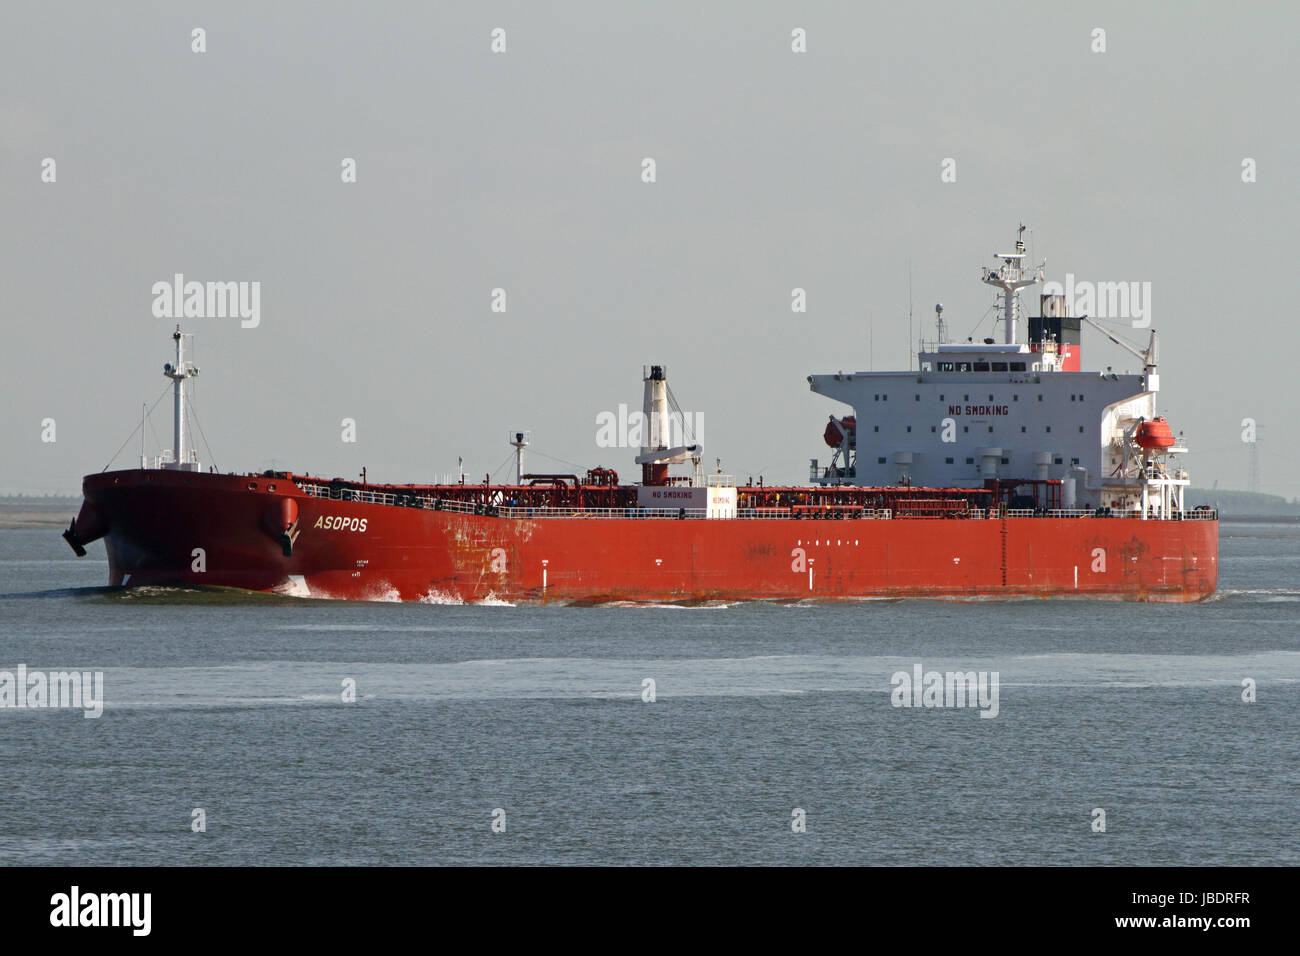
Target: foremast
{"type": "Point", "coordinates": [183, 458]}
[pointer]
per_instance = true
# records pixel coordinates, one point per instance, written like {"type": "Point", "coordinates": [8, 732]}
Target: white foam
{"type": "Point", "coordinates": [711, 606]}
{"type": "Point", "coordinates": [1260, 595]}
{"type": "Point", "coordinates": [385, 593]}
{"type": "Point", "coordinates": [434, 596]}
{"type": "Point", "coordinates": [294, 586]}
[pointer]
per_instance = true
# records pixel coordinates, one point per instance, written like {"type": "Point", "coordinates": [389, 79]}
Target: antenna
{"type": "Point", "coordinates": [871, 342]}
{"type": "Point", "coordinates": [909, 315]}
{"type": "Point", "coordinates": [1012, 276]}
{"type": "Point", "coordinates": [520, 439]}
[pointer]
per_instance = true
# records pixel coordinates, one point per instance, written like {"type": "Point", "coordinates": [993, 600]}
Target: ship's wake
{"type": "Point", "coordinates": [1255, 595]}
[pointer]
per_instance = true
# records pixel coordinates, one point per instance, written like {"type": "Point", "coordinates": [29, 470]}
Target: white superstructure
{"type": "Point", "coordinates": [1011, 411]}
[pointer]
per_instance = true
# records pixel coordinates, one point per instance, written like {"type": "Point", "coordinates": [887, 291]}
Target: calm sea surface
{"type": "Point", "coordinates": [233, 704]}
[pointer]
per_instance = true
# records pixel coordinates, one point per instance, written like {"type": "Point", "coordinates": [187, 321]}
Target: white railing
{"type": "Point", "coordinates": [410, 500]}
{"type": "Point", "coordinates": [841, 512]}
{"type": "Point", "coordinates": [635, 513]}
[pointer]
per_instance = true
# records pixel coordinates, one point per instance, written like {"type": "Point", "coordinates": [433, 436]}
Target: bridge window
{"type": "Point", "coordinates": [1006, 461]}
{"type": "Point", "coordinates": [981, 366]}
{"type": "Point", "coordinates": [945, 367]}
{"type": "Point", "coordinates": [999, 366]}
{"type": "Point", "coordinates": [970, 461]}
{"type": "Point", "coordinates": [1074, 461]}
{"type": "Point", "coordinates": [1017, 366]}
{"type": "Point", "coordinates": [947, 461]}
{"type": "Point", "coordinates": [1060, 461]}
{"type": "Point", "coordinates": [880, 461]}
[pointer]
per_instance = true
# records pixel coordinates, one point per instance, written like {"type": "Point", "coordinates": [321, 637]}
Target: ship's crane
{"type": "Point", "coordinates": [1148, 356]}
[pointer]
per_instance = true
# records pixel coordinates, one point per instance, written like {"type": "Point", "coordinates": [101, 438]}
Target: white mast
{"type": "Point", "coordinates": [178, 373]}
{"type": "Point", "coordinates": [1011, 277]}
{"type": "Point", "coordinates": [520, 439]}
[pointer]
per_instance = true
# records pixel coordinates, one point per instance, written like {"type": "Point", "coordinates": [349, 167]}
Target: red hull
{"type": "Point", "coordinates": [185, 528]}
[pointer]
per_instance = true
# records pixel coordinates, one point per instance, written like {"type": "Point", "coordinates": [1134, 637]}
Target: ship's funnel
{"type": "Point", "coordinates": [655, 424]}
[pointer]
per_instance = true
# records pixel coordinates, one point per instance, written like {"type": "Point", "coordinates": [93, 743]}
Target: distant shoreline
{"type": "Point", "coordinates": [23, 514]}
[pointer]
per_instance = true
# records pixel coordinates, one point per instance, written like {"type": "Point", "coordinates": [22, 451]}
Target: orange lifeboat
{"type": "Point", "coordinates": [1154, 434]}
{"type": "Point", "coordinates": [832, 434]}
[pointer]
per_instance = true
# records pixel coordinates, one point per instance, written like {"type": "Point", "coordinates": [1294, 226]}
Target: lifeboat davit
{"type": "Point", "coordinates": [832, 434]}
{"type": "Point", "coordinates": [1154, 434]}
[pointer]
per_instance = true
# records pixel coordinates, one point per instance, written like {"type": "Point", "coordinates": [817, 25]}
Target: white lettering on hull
{"type": "Point", "coordinates": [341, 523]}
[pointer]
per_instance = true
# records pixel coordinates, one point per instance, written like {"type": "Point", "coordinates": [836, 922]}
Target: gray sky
{"type": "Point", "coordinates": [522, 171]}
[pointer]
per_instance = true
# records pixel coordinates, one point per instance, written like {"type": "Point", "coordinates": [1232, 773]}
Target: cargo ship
{"type": "Point", "coordinates": [994, 469]}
